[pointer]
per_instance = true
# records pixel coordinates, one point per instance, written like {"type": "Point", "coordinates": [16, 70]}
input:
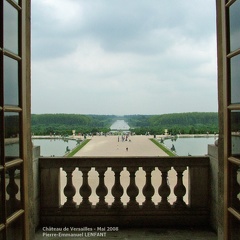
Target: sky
{"type": "Point", "coordinates": [123, 57]}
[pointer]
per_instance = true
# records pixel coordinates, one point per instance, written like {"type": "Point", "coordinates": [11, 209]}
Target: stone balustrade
{"type": "Point", "coordinates": [188, 207]}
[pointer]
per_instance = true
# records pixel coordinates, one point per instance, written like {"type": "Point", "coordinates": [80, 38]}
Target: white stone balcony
{"type": "Point", "coordinates": [144, 197]}
{"type": "Point", "coordinates": [169, 191]}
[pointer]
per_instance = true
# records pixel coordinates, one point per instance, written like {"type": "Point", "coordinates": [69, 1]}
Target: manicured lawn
{"type": "Point", "coordinates": [166, 150]}
{"type": "Point", "coordinates": [76, 149]}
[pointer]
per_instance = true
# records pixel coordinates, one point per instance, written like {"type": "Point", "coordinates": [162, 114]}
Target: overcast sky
{"type": "Point", "coordinates": [123, 56]}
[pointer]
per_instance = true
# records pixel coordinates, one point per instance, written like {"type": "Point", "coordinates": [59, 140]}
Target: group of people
{"type": "Point", "coordinates": [124, 138]}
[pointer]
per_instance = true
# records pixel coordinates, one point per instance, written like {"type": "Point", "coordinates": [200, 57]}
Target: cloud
{"type": "Point", "coordinates": [123, 57]}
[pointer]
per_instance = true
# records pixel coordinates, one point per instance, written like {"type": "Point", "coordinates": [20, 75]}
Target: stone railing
{"type": "Point", "coordinates": [124, 191]}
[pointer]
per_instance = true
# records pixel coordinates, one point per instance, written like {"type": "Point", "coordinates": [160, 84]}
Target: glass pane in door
{"type": "Point", "coordinates": [234, 19]}
{"type": "Point", "coordinates": [12, 140]}
{"type": "Point", "coordinates": [235, 133]}
{"type": "Point", "coordinates": [235, 79]}
{"type": "Point", "coordinates": [15, 229]}
{"type": "Point", "coordinates": [13, 190]}
{"type": "Point", "coordinates": [2, 217]}
{"type": "Point", "coordinates": [10, 28]}
{"type": "Point", "coordinates": [235, 228]}
{"type": "Point", "coordinates": [11, 86]}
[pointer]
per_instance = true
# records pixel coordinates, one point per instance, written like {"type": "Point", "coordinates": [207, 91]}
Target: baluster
{"type": "Point", "coordinates": [69, 190]}
{"type": "Point", "coordinates": [85, 190]}
{"type": "Point", "coordinates": [164, 190]}
{"type": "Point", "coordinates": [148, 189]}
{"type": "Point", "coordinates": [101, 190]}
{"type": "Point", "coordinates": [179, 189]}
{"type": "Point", "coordinates": [117, 189]}
{"type": "Point", "coordinates": [132, 189]}
{"type": "Point", "coordinates": [13, 203]}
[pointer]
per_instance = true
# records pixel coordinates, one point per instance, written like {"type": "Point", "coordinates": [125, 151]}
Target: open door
{"type": "Point", "coordinates": [228, 22]}
{"type": "Point", "coordinates": [15, 141]}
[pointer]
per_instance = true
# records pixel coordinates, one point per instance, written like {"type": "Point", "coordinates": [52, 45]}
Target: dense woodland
{"type": "Point", "coordinates": [184, 123]}
{"type": "Point", "coordinates": [176, 123]}
{"type": "Point", "coordinates": [63, 124]}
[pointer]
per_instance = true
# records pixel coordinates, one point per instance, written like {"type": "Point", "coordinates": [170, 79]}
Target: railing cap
{"type": "Point", "coordinates": [57, 162]}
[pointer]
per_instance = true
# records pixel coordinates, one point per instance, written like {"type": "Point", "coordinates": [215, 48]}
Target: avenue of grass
{"type": "Point", "coordinates": [76, 149]}
{"type": "Point", "coordinates": [166, 150]}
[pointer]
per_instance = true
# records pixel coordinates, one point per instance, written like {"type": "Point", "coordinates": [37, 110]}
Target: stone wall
{"type": "Point", "coordinates": [213, 156]}
{"type": "Point", "coordinates": [36, 186]}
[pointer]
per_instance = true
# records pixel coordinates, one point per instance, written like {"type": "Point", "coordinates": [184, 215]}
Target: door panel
{"type": "Point", "coordinates": [14, 117]}
{"type": "Point", "coordinates": [229, 73]}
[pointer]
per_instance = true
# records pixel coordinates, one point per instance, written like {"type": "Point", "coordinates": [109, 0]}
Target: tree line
{"type": "Point", "coordinates": [184, 123]}
{"type": "Point", "coordinates": [63, 124]}
{"type": "Point", "coordinates": [176, 123]}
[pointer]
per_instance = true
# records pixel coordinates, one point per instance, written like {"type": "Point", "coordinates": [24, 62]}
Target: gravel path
{"type": "Point", "coordinates": [114, 146]}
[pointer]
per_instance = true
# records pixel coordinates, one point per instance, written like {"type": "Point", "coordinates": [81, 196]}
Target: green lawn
{"type": "Point", "coordinates": [76, 149]}
{"type": "Point", "coordinates": [166, 150]}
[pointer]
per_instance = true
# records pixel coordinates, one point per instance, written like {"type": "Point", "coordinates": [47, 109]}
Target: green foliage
{"type": "Point", "coordinates": [63, 124]}
{"type": "Point", "coordinates": [136, 121]}
{"type": "Point", "coordinates": [176, 123]}
{"type": "Point", "coordinates": [184, 119]}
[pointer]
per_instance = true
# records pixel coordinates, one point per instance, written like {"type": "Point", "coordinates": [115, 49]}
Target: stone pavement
{"type": "Point", "coordinates": [114, 146]}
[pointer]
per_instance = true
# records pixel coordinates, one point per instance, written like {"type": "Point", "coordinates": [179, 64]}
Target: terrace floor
{"type": "Point", "coordinates": [116, 146]}
{"type": "Point", "coordinates": [148, 233]}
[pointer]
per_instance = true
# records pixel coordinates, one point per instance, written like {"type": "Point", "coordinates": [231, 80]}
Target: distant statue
{"type": "Point", "coordinates": [67, 149]}
{"type": "Point", "coordinates": [173, 148]}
